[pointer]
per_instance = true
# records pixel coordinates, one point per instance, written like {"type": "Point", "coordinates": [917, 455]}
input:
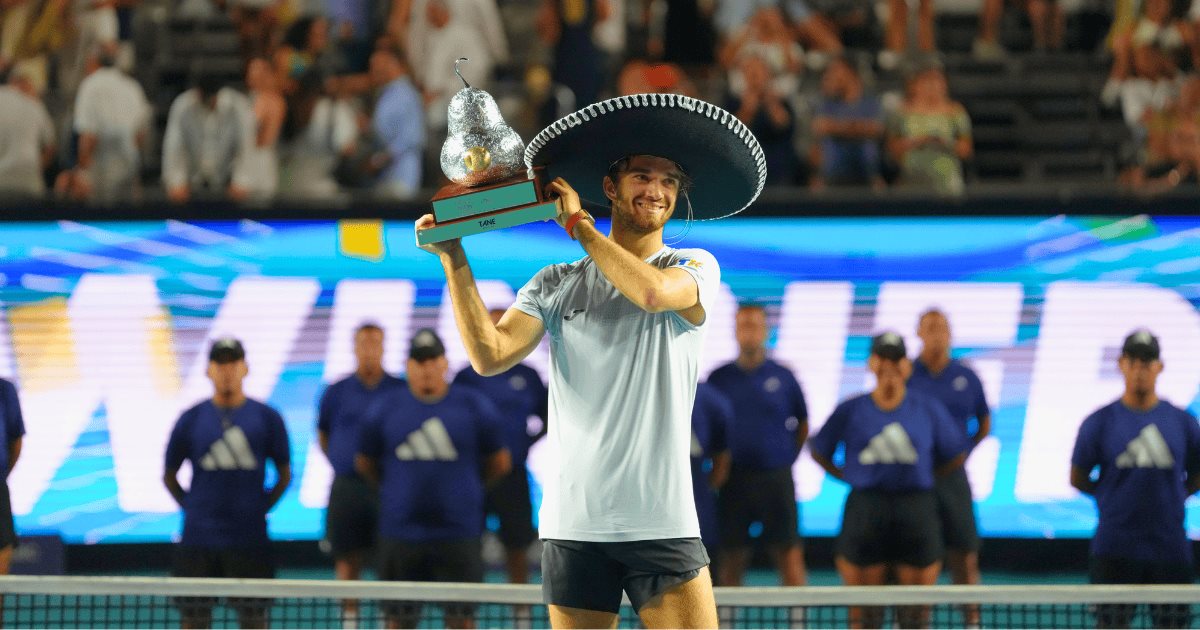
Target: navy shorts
{"type": "Point", "coordinates": [592, 575]}
{"type": "Point", "coordinates": [881, 527]}
{"type": "Point", "coordinates": [957, 509]}
{"type": "Point", "coordinates": [509, 499]}
{"type": "Point", "coordinates": [352, 517]}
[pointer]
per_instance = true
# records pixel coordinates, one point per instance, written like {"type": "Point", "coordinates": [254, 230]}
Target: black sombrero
{"type": "Point", "coordinates": [713, 147]}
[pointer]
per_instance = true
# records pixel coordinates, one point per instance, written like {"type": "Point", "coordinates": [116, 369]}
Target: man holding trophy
{"type": "Point", "coordinates": [627, 324]}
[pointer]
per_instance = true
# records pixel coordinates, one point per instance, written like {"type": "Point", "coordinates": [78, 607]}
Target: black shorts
{"type": "Point", "coordinates": [957, 509]}
{"type": "Point", "coordinates": [437, 561]}
{"type": "Point", "coordinates": [766, 496]}
{"type": "Point", "coordinates": [8, 529]}
{"type": "Point", "coordinates": [509, 499]}
{"type": "Point", "coordinates": [199, 562]}
{"type": "Point", "coordinates": [592, 575]}
{"type": "Point", "coordinates": [352, 517]}
{"type": "Point", "coordinates": [881, 527]}
{"type": "Point", "coordinates": [1108, 570]}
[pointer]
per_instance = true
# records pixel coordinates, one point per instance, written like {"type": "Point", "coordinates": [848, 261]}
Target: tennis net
{"type": "Point", "coordinates": [112, 602]}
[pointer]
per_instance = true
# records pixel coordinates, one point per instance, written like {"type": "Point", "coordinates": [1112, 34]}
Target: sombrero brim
{"type": "Point", "coordinates": [714, 148]}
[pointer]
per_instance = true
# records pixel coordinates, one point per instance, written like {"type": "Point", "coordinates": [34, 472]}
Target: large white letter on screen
{"type": "Point", "coordinates": [1080, 338]}
{"type": "Point", "coordinates": [982, 315]}
{"type": "Point", "coordinates": [496, 294]}
{"type": "Point", "coordinates": [720, 344]}
{"type": "Point", "coordinates": [813, 325]}
{"type": "Point", "coordinates": [387, 303]}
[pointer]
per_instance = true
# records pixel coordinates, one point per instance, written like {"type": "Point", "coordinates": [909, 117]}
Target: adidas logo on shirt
{"type": "Point", "coordinates": [231, 452]}
{"type": "Point", "coordinates": [429, 443]}
{"type": "Point", "coordinates": [1147, 450]}
{"type": "Point", "coordinates": [891, 446]}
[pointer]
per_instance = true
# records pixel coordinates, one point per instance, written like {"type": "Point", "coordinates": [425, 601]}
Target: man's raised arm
{"type": "Point", "coordinates": [492, 348]}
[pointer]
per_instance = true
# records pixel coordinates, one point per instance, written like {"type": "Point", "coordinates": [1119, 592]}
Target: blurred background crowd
{"type": "Point", "coordinates": [109, 101]}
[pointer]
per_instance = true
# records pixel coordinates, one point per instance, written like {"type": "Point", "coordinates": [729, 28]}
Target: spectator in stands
{"type": "Point", "coordinates": [436, 32]}
{"type": "Point", "coordinates": [847, 129]}
{"type": "Point", "coordinates": [814, 30]}
{"type": "Point", "coordinates": [112, 117]}
{"type": "Point", "coordinates": [270, 110]}
{"type": "Point", "coordinates": [766, 111]}
{"type": "Point", "coordinates": [769, 426]}
{"type": "Point", "coordinates": [767, 38]}
{"type": "Point", "coordinates": [228, 440]}
{"type": "Point", "coordinates": [520, 396]}
{"type": "Point", "coordinates": [398, 123]}
{"type": "Point", "coordinates": [12, 430]}
{"type": "Point", "coordinates": [427, 450]}
{"type": "Point", "coordinates": [1170, 153]}
{"type": "Point", "coordinates": [681, 32]}
{"type": "Point", "coordinates": [27, 135]}
{"type": "Point", "coordinates": [1146, 61]}
{"type": "Point", "coordinates": [210, 132]}
{"type": "Point", "coordinates": [959, 389]}
{"type": "Point", "coordinates": [318, 132]}
{"type": "Point", "coordinates": [577, 60]}
{"type": "Point", "coordinates": [350, 24]}
{"type": "Point", "coordinates": [1147, 452]}
{"type": "Point", "coordinates": [255, 21]}
{"type": "Point", "coordinates": [712, 415]}
{"type": "Point", "coordinates": [929, 136]}
{"type": "Point", "coordinates": [896, 442]}
{"type": "Point", "coordinates": [639, 75]}
{"type": "Point", "coordinates": [304, 54]}
{"type": "Point", "coordinates": [352, 517]}
{"type": "Point", "coordinates": [31, 31]}
{"type": "Point", "coordinates": [1045, 17]}
{"type": "Point", "coordinates": [94, 27]}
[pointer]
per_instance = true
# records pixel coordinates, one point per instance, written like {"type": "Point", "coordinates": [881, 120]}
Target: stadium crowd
{"type": "Point", "coordinates": [305, 99]}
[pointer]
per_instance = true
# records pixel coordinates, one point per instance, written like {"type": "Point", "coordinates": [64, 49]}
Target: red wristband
{"type": "Point", "coordinates": [571, 222]}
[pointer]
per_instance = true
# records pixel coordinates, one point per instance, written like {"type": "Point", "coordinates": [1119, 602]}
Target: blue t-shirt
{"type": "Point", "coordinates": [226, 505]}
{"type": "Point", "coordinates": [517, 394]}
{"type": "Point", "coordinates": [850, 161]}
{"type": "Point", "coordinates": [12, 424]}
{"type": "Point", "coordinates": [344, 408]}
{"type": "Point", "coordinates": [768, 407]}
{"type": "Point", "coordinates": [711, 415]}
{"type": "Point", "coordinates": [895, 451]}
{"type": "Point", "coordinates": [1144, 460]}
{"type": "Point", "coordinates": [430, 458]}
{"type": "Point", "coordinates": [957, 387]}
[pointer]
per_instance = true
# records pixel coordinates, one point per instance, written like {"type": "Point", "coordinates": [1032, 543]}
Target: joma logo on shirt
{"type": "Point", "coordinates": [429, 443]}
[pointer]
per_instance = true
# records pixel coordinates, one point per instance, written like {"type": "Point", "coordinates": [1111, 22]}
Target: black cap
{"type": "Point", "coordinates": [1141, 344]}
{"type": "Point", "coordinates": [888, 346]}
{"type": "Point", "coordinates": [426, 345]}
{"type": "Point", "coordinates": [226, 350]}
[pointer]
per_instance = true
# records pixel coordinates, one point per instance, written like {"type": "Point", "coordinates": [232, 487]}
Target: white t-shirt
{"type": "Point", "coordinates": [622, 383]}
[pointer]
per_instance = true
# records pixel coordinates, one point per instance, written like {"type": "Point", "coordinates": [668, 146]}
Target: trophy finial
{"type": "Point", "coordinates": [460, 76]}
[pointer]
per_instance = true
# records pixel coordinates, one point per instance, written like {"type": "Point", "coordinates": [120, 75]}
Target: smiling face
{"type": "Point", "coordinates": [643, 195]}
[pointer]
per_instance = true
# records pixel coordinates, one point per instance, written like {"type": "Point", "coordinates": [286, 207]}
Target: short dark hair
{"type": "Point", "coordinates": [751, 306]}
{"type": "Point", "coordinates": [622, 165]}
{"type": "Point", "coordinates": [365, 326]}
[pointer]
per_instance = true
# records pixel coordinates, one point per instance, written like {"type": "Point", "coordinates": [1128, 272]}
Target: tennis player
{"type": "Point", "coordinates": [626, 324]}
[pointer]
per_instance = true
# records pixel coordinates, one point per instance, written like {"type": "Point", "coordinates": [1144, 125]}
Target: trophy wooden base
{"type": "Point", "coordinates": [460, 211]}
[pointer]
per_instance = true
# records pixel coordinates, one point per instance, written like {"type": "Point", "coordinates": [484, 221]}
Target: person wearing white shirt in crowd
{"type": "Point", "coordinates": [111, 117]}
{"type": "Point", "coordinates": [439, 31]}
{"type": "Point", "coordinates": [210, 130]}
{"type": "Point", "coordinates": [269, 112]}
{"type": "Point", "coordinates": [26, 139]}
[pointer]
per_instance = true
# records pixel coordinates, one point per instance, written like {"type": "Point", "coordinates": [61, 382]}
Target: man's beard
{"type": "Point", "coordinates": [633, 221]}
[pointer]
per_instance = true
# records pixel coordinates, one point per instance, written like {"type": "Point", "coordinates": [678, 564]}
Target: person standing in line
{"type": "Point", "coordinates": [228, 439]}
{"type": "Point", "coordinates": [712, 414]}
{"type": "Point", "coordinates": [769, 428]}
{"type": "Point", "coordinates": [352, 516]}
{"type": "Point", "coordinates": [1147, 454]}
{"type": "Point", "coordinates": [958, 388]}
{"type": "Point", "coordinates": [12, 430]}
{"type": "Point", "coordinates": [431, 448]}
